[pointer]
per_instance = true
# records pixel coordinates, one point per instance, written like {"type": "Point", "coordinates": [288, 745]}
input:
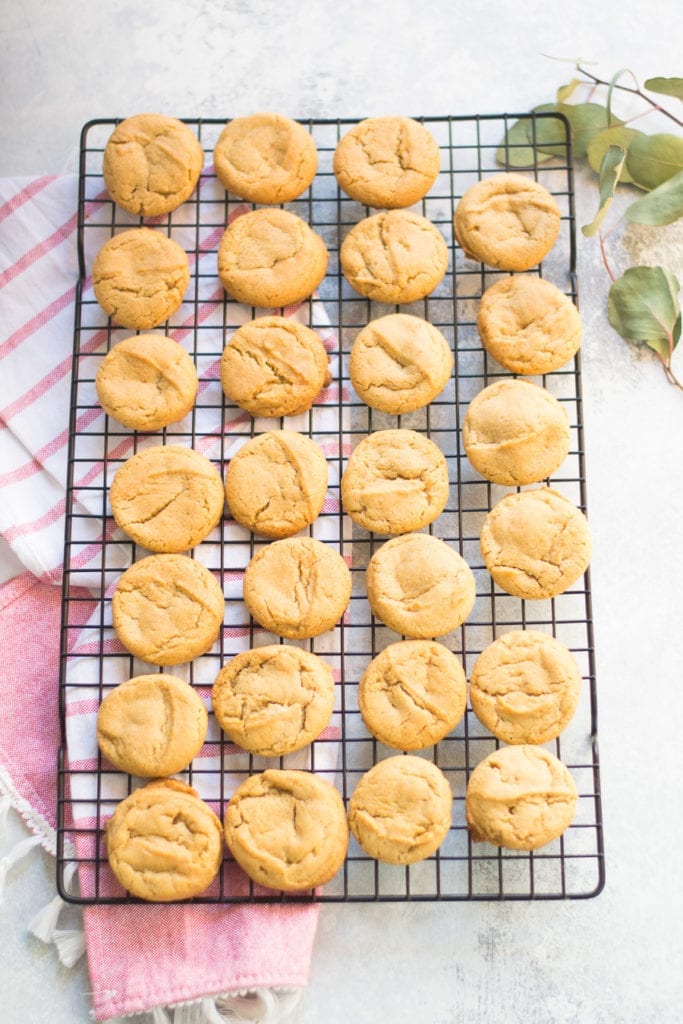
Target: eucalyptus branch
{"type": "Point", "coordinates": [636, 92]}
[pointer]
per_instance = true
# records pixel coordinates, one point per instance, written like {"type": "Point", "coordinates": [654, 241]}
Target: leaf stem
{"type": "Point", "coordinates": [603, 253]}
{"type": "Point", "coordinates": [636, 92]}
{"type": "Point", "coordinates": [670, 375]}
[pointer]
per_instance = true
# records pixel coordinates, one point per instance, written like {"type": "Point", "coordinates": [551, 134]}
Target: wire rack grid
{"type": "Point", "coordinates": [93, 661]}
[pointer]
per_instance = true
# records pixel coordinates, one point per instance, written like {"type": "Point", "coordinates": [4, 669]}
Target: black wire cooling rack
{"type": "Point", "coordinates": [92, 660]}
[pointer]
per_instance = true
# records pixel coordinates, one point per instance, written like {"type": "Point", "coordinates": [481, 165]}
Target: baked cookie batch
{"type": "Point", "coordinates": [289, 829]}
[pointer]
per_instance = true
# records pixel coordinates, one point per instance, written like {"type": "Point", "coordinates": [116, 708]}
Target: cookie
{"type": "Point", "coordinates": [276, 483]}
{"type": "Point", "coordinates": [528, 325]}
{"type": "Point", "coordinates": [265, 158]}
{"type": "Point", "coordinates": [139, 278]}
{"type": "Point", "coordinates": [400, 811]}
{"type": "Point", "coordinates": [387, 162]}
{"type": "Point", "coordinates": [274, 700]}
{"type": "Point", "coordinates": [151, 725]}
{"type": "Point", "coordinates": [287, 829]}
{"type": "Point", "coordinates": [419, 586]}
{"type": "Point", "coordinates": [507, 221]}
{"type": "Point", "coordinates": [514, 432]}
{"type": "Point", "coordinates": [536, 543]}
{"type": "Point", "coordinates": [412, 694]}
{"type": "Point", "coordinates": [274, 366]}
{"type": "Point", "coordinates": [395, 481]}
{"type": "Point", "coordinates": [297, 587]}
{"type": "Point", "coordinates": [399, 363]}
{"type": "Point", "coordinates": [147, 382]}
{"type": "Point", "coordinates": [520, 797]}
{"type": "Point", "coordinates": [167, 609]}
{"type": "Point", "coordinates": [525, 687]}
{"type": "Point", "coordinates": [394, 257]}
{"type": "Point", "coordinates": [271, 258]}
{"type": "Point", "coordinates": [164, 843]}
{"type": "Point", "coordinates": [168, 498]}
{"type": "Point", "coordinates": [151, 164]}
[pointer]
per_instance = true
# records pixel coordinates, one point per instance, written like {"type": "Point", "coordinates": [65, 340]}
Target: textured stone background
{"type": "Point", "coordinates": [612, 960]}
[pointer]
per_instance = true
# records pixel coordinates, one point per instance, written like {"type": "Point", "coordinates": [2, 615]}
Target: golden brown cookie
{"type": "Point", "coordinates": [287, 829]}
{"type": "Point", "coordinates": [274, 700]}
{"type": "Point", "coordinates": [536, 543]}
{"type": "Point", "coordinates": [146, 382]}
{"type": "Point", "coordinates": [507, 221]}
{"type": "Point", "coordinates": [151, 164]}
{"type": "Point", "coordinates": [164, 843]}
{"type": "Point", "coordinates": [297, 587]}
{"type": "Point", "coordinates": [419, 586]}
{"type": "Point", "coordinates": [387, 161]}
{"type": "Point", "coordinates": [399, 363]}
{"type": "Point", "coordinates": [394, 257]}
{"type": "Point", "coordinates": [270, 259]}
{"type": "Point", "coordinates": [167, 609]}
{"type": "Point", "coordinates": [151, 725]}
{"type": "Point", "coordinates": [395, 481]}
{"type": "Point", "coordinates": [140, 277]}
{"type": "Point", "coordinates": [528, 325]}
{"type": "Point", "coordinates": [525, 687]}
{"type": "Point", "coordinates": [400, 811]}
{"type": "Point", "coordinates": [520, 797]}
{"type": "Point", "coordinates": [515, 433]}
{"type": "Point", "coordinates": [276, 483]}
{"type": "Point", "coordinates": [168, 498]}
{"type": "Point", "coordinates": [274, 366]}
{"type": "Point", "coordinates": [265, 158]}
{"type": "Point", "coordinates": [412, 694]}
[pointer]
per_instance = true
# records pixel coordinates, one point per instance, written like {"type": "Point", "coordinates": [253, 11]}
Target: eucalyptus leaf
{"type": "Point", "coordinates": [565, 91]}
{"type": "Point", "coordinates": [609, 176]}
{"type": "Point", "coordinates": [643, 306]}
{"type": "Point", "coordinates": [666, 86]}
{"type": "Point", "coordinates": [515, 150]}
{"type": "Point", "coordinates": [663, 205]}
{"type": "Point", "coordinates": [599, 144]}
{"type": "Point", "coordinates": [586, 119]}
{"type": "Point", "coordinates": [653, 159]}
{"type": "Point", "coordinates": [548, 134]}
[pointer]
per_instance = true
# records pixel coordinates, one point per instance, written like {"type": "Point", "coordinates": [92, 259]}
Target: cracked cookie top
{"type": "Point", "coordinates": [536, 544]}
{"type": "Point", "coordinates": [265, 158]}
{"type": "Point", "coordinates": [400, 811]}
{"type": "Point", "coordinates": [394, 257]}
{"type": "Point", "coordinates": [164, 843]}
{"type": "Point", "coordinates": [387, 162]}
{"type": "Point", "coordinates": [271, 258]}
{"type": "Point", "coordinates": [419, 586]}
{"type": "Point", "coordinates": [297, 587]}
{"type": "Point", "coordinates": [167, 609]}
{"type": "Point", "coordinates": [399, 363]}
{"type": "Point", "coordinates": [520, 797]}
{"type": "Point", "coordinates": [287, 829]}
{"type": "Point", "coordinates": [151, 164]}
{"type": "Point", "coordinates": [274, 366]}
{"type": "Point", "coordinates": [515, 432]}
{"type": "Point", "coordinates": [168, 498]}
{"type": "Point", "coordinates": [274, 700]}
{"type": "Point", "coordinates": [412, 694]}
{"type": "Point", "coordinates": [151, 725]}
{"type": "Point", "coordinates": [507, 221]}
{"type": "Point", "coordinates": [528, 325]}
{"type": "Point", "coordinates": [276, 483]}
{"type": "Point", "coordinates": [146, 382]}
{"type": "Point", "coordinates": [395, 481]}
{"type": "Point", "coordinates": [140, 277]}
{"type": "Point", "coordinates": [525, 687]}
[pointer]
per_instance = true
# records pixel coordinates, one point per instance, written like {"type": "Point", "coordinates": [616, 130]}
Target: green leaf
{"type": "Point", "coordinates": [613, 81]}
{"type": "Point", "coordinates": [653, 159]}
{"type": "Point", "coordinates": [643, 306]}
{"type": "Point", "coordinates": [600, 143]}
{"type": "Point", "coordinates": [663, 205]}
{"type": "Point", "coordinates": [515, 150]}
{"type": "Point", "coordinates": [609, 176]}
{"type": "Point", "coordinates": [666, 86]}
{"type": "Point", "coordinates": [549, 134]}
{"type": "Point", "coordinates": [565, 91]}
{"type": "Point", "coordinates": [586, 119]}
